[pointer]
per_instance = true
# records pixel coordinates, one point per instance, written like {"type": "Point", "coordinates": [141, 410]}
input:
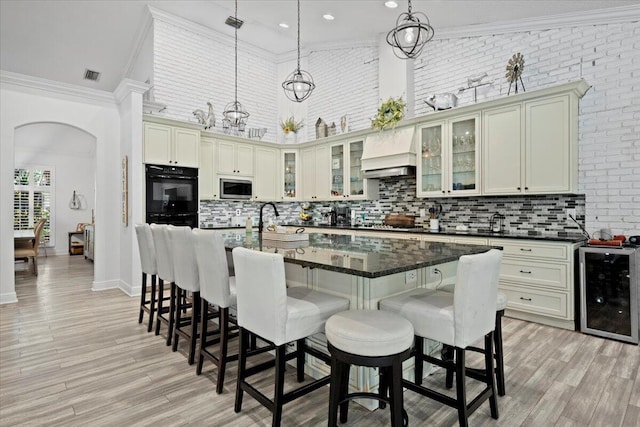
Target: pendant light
{"type": "Point", "coordinates": [234, 115]}
{"type": "Point", "coordinates": [410, 34]}
{"type": "Point", "coordinates": [299, 84]}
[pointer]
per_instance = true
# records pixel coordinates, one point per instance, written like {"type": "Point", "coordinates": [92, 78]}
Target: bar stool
{"type": "Point", "coordinates": [459, 320]}
{"type": "Point", "coordinates": [216, 287]}
{"type": "Point", "coordinates": [186, 281]}
{"type": "Point", "coordinates": [164, 262]}
{"type": "Point", "coordinates": [277, 315]}
{"type": "Point", "coordinates": [372, 338]}
{"type": "Point", "coordinates": [148, 265]}
{"type": "Point", "coordinates": [447, 352]}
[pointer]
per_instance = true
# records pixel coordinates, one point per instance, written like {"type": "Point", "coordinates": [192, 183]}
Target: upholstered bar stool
{"type": "Point", "coordinates": [277, 315]}
{"type": "Point", "coordinates": [370, 338]}
{"type": "Point", "coordinates": [458, 320]}
{"type": "Point", "coordinates": [187, 280]}
{"type": "Point", "coordinates": [216, 287]}
{"type": "Point", "coordinates": [148, 267]}
{"type": "Point", "coordinates": [164, 262]}
{"type": "Point", "coordinates": [501, 304]}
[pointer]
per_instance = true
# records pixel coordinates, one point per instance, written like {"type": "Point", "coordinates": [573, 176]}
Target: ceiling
{"type": "Point", "coordinates": [59, 39]}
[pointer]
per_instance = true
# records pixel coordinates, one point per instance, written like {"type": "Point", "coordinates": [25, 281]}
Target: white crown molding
{"type": "Point", "coordinates": [591, 17]}
{"type": "Point", "coordinates": [144, 28]}
{"type": "Point", "coordinates": [23, 81]}
{"type": "Point", "coordinates": [168, 18]}
{"type": "Point", "coordinates": [128, 86]}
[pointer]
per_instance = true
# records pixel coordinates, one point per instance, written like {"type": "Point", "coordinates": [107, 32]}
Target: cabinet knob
{"type": "Point", "coordinates": [518, 188]}
{"type": "Point", "coordinates": [526, 188]}
{"type": "Point", "coordinates": [443, 191]}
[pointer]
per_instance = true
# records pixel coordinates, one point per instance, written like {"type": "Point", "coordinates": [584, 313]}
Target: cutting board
{"type": "Point", "coordinates": [400, 220]}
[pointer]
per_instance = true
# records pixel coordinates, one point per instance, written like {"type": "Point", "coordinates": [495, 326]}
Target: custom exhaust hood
{"type": "Point", "coordinates": [389, 153]}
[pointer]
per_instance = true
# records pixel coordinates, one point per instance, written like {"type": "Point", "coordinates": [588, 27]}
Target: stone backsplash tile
{"type": "Point", "coordinates": [544, 214]}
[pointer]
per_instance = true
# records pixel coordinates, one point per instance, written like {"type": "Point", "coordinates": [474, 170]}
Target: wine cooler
{"type": "Point", "coordinates": [609, 294]}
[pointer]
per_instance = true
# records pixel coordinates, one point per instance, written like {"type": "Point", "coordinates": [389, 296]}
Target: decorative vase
{"type": "Point", "coordinates": [290, 138]}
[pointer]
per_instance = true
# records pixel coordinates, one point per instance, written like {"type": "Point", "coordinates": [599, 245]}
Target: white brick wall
{"type": "Point", "coordinates": [191, 69]}
{"type": "Point", "coordinates": [607, 57]}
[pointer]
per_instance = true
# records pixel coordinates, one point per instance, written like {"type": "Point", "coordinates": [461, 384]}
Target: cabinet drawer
{"type": "Point", "coordinates": [542, 274]}
{"type": "Point", "coordinates": [469, 240]}
{"type": "Point", "coordinates": [532, 250]}
{"type": "Point", "coordinates": [536, 301]}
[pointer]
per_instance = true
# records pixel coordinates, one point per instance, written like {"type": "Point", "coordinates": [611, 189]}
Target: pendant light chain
{"type": "Point", "coordinates": [236, 55]}
{"type": "Point", "coordinates": [298, 35]}
{"type": "Point", "coordinates": [299, 84]}
{"type": "Point", "coordinates": [409, 7]}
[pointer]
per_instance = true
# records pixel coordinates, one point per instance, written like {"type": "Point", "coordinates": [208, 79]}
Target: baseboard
{"type": "Point", "coordinates": [104, 285]}
{"type": "Point", "coordinates": [8, 298]}
{"type": "Point", "coordinates": [132, 291]}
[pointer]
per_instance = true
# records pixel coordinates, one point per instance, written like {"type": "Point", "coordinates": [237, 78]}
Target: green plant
{"type": "Point", "coordinates": [291, 125]}
{"type": "Point", "coordinates": [389, 114]}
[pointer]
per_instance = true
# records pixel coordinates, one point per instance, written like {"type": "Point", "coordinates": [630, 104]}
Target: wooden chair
{"type": "Point", "coordinates": [30, 249]}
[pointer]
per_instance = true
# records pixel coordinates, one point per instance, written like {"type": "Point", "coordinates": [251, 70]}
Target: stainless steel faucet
{"type": "Point", "coordinates": [260, 223]}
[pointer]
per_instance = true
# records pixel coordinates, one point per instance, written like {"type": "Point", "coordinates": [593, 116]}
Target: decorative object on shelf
{"type": "Point", "coordinates": [208, 120]}
{"type": "Point", "coordinates": [515, 66]}
{"type": "Point", "coordinates": [442, 101]}
{"type": "Point", "coordinates": [344, 124]}
{"type": "Point", "coordinates": [257, 132]}
{"type": "Point", "coordinates": [321, 128]}
{"type": "Point", "coordinates": [474, 82]}
{"type": "Point", "coordinates": [149, 104]}
{"type": "Point", "coordinates": [299, 84]}
{"type": "Point", "coordinates": [234, 115]}
{"type": "Point", "coordinates": [331, 130]}
{"type": "Point", "coordinates": [125, 192]}
{"type": "Point", "coordinates": [304, 215]}
{"type": "Point", "coordinates": [389, 114]}
{"type": "Point", "coordinates": [410, 34]}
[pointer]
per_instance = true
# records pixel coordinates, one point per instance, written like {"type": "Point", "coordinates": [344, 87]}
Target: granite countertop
{"type": "Point", "coordinates": [557, 237]}
{"type": "Point", "coordinates": [369, 257]}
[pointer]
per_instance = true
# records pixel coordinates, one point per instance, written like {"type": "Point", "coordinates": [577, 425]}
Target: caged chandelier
{"type": "Point", "coordinates": [234, 115]}
{"type": "Point", "coordinates": [410, 34]}
{"type": "Point", "coordinates": [299, 84]}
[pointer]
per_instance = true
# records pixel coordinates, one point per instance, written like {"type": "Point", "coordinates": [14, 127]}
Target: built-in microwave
{"type": "Point", "coordinates": [236, 189]}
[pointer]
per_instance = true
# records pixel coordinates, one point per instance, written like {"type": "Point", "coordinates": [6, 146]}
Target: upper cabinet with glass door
{"type": "Point", "coordinates": [337, 170]}
{"type": "Point", "coordinates": [347, 180]}
{"type": "Point", "coordinates": [449, 158]}
{"type": "Point", "coordinates": [290, 178]}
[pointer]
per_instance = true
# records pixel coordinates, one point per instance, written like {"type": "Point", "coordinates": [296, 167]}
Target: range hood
{"type": "Point", "coordinates": [389, 153]}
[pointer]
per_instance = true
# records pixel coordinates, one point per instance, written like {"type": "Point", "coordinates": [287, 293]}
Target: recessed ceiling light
{"type": "Point", "coordinates": [283, 25]}
{"type": "Point", "coordinates": [391, 4]}
{"type": "Point", "coordinates": [328, 17]}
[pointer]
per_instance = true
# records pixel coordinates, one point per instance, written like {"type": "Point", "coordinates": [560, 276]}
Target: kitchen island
{"type": "Point", "coordinates": [362, 269]}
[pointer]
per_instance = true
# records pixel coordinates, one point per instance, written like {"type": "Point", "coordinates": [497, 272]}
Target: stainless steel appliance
{"type": "Point", "coordinates": [172, 195]}
{"type": "Point", "coordinates": [609, 297]}
{"type": "Point", "coordinates": [239, 189]}
{"type": "Point", "coordinates": [343, 215]}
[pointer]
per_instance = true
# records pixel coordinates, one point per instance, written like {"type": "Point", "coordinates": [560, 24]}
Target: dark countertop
{"type": "Point", "coordinates": [559, 237]}
{"type": "Point", "coordinates": [369, 257]}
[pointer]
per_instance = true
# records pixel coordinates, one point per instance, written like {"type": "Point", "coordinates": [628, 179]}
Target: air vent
{"type": "Point", "coordinates": [91, 75]}
{"type": "Point", "coordinates": [233, 22]}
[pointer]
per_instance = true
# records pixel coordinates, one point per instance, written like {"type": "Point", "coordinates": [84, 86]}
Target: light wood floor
{"type": "Point", "coordinates": [73, 357]}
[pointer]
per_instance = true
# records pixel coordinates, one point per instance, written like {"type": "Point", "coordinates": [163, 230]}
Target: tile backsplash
{"type": "Point", "coordinates": [545, 214]}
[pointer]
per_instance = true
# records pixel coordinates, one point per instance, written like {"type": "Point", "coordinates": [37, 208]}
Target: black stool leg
{"type": "Point", "coordinates": [383, 387]}
{"type": "Point", "coordinates": [224, 342]}
{"type": "Point", "coordinates": [242, 367]}
{"type": "Point", "coordinates": [344, 390]}
{"type": "Point", "coordinates": [195, 313]}
{"type": "Point", "coordinates": [395, 393]}
{"type": "Point", "coordinates": [172, 309]}
{"type": "Point", "coordinates": [281, 353]}
{"type": "Point", "coordinates": [160, 301]}
{"type": "Point", "coordinates": [497, 338]}
{"type": "Point", "coordinates": [334, 392]}
{"type": "Point", "coordinates": [300, 350]}
{"type": "Point", "coordinates": [203, 335]}
{"type": "Point", "coordinates": [461, 391]}
{"type": "Point", "coordinates": [488, 359]}
{"type": "Point", "coordinates": [143, 296]}
{"type": "Point", "coordinates": [152, 303]}
{"type": "Point", "coordinates": [177, 319]}
{"type": "Point", "coordinates": [418, 360]}
{"type": "Point", "coordinates": [447, 355]}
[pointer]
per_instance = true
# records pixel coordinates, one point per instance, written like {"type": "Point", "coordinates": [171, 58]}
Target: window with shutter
{"type": "Point", "coordinates": [33, 200]}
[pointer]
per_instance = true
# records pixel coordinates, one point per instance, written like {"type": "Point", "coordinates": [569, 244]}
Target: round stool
{"type": "Point", "coordinates": [369, 338]}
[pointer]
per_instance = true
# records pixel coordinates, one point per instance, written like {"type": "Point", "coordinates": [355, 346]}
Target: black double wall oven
{"type": "Point", "coordinates": [172, 195]}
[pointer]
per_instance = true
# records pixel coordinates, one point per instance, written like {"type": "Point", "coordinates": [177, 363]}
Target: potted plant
{"type": "Point", "coordinates": [389, 114]}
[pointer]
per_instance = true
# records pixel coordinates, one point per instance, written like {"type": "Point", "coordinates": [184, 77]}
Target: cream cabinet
{"type": "Point", "coordinates": [290, 177]}
{"type": "Point", "coordinates": [314, 164]}
{"type": "Point", "coordinates": [531, 147]}
{"type": "Point", "coordinates": [171, 145]}
{"type": "Point", "coordinates": [347, 178]}
{"type": "Point", "coordinates": [449, 158]}
{"type": "Point", "coordinates": [206, 174]}
{"type": "Point", "coordinates": [234, 158]}
{"type": "Point", "coordinates": [538, 280]}
{"type": "Point", "coordinates": [266, 174]}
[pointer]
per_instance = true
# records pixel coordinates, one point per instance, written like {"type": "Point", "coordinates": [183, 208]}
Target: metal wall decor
{"type": "Point", "coordinates": [515, 66]}
{"type": "Point", "coordinates": [208, 120]}
{"type": "Point", "coordinates": [299, 84]}
{"type": "Point", "coordinates": [410, 34]}
{"type": "Point", "coordinates": [234, 115]}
